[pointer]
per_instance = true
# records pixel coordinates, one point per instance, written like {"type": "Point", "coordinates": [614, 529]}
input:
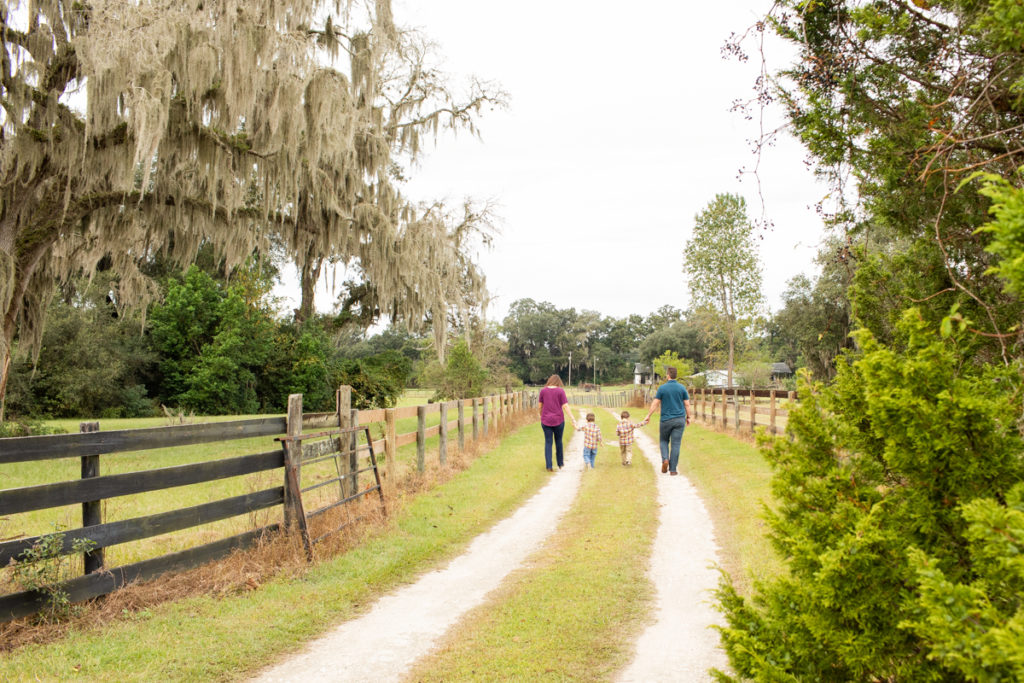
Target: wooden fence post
{"type": "Point", "coordinates": [442, 446]}
{"type": "Point", "coordinates": [771, 413]}
{"type": "Point", "coordinates": [736, 410]}
{"type": "Point", "coordinates": [421, 438]}
{"type": "Point", "coordinates": [462, 425]}
{"type": "Point", "coordinates": [486, 400]}
{"type": "Point", "coordinates": [390, 445]}
{"type": "Point", "coordinates": [476, 419]}
{"type": "Point", "coordinates": [92, 511]}
{"type": "Point", "coordinates": [292, 451]}
{"type": "Point", "coordinates": [343, 407]}
{"type": "Point", "coordinates": [753, 411]}
{"type": "Point", "coordinates": [354, 453]}
{"type": "Point", "coordinates": [713, 407]}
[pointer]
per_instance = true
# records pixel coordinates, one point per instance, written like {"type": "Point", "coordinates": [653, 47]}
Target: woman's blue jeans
{"type": "Point", "coordinates": [555, 434]}
{"type": "Point", "coordinates": [670, 433]}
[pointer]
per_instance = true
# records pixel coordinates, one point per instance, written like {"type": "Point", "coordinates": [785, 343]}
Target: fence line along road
{"type": "Point", "coordinates": [92, 446]}
{"type": "Point", "coordinates": [723, 408]}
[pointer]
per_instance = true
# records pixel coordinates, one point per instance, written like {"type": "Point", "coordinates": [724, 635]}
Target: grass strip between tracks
{"type": "Point", "coordinates": [576, 611]}
{"type": "Point", "coordinates": [210, 638]}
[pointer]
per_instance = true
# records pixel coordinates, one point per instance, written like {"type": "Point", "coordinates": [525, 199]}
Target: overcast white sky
{"type": "Point", "coordinates": [617, 134]}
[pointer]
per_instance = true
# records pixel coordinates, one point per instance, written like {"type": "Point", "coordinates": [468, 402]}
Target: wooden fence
{"type": "Point", "coordinates": [92, 489]}
{"type": "Point", "coordinates": [742, 409]}
{"type": "Point", "coordinates": [617, 399]}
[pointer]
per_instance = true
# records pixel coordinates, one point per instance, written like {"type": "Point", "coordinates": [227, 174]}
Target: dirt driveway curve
{"type": "Point", "coordinates": [678, 645]}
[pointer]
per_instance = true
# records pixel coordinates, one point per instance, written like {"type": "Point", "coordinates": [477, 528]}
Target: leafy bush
{"type": "Point", "coordinates": [976, 627]}
{"type": "Point", "coordinates": [89, 361]}
{"type": "Point", "coordinates": [880, 497]}
{"type": "Point", "coordinates": [44, 568]}
{"type": "Point", "coordinates": [463, 376]}
{"type": "Point", "coordinates": [27, 428]}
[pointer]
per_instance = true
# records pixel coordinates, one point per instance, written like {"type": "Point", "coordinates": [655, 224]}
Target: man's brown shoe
{"type": "Point", "coordinates": [664, 466]}
{"type": "Point", "coordinates": [673, 473]}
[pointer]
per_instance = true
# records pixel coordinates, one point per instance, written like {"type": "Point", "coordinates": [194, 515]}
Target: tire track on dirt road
{"type": "Point", "coordinates": [406, 624]}
{"type": "Point", "coordinates": [680, 645]}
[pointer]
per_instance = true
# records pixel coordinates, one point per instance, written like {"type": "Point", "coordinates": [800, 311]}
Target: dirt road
{"type": "Point", "coordinates": [678, 645]}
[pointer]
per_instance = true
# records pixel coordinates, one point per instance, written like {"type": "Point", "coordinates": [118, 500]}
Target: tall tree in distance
{"type": "Point", "coordinates": [721, 266]}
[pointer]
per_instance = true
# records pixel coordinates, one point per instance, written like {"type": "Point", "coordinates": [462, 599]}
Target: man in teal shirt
{"type": "Point", "coordinates": [674, 401]}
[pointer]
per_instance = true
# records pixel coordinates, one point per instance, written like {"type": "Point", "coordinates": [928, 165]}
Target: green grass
{"type": "Point", "coordinates": [733, 479]}
{"type": "Point", "coordinates": [207, 638]}
{"type": "Point", "coordinates": [128, 507]}
{"type": "Point", "coordinates": [574, 614]}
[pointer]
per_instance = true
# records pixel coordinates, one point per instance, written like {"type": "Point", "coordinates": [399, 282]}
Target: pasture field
{"type": "Point", "coordinates": [228, 637]}
{"type": "Point", "coordinates": [233, 635]}
{"type": "Point", "coordinates": [128, 507]}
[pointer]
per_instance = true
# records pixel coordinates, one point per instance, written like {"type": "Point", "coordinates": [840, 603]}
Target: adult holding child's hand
{"type": "Point", "coordinates": [674, 402]}
{"type": "Point", "coordinates": [554, 407]}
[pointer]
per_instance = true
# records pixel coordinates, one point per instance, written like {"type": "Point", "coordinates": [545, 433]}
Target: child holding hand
{"type": "Point", "coordinates": [591, 439]}
{"type": "Point", "coordinates": [624, 430]}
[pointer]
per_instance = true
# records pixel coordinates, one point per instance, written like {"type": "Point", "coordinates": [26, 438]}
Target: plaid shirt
{"type": "Point", "coordinates": [625, 431]}
{"type": "Point", "coordinates": [591, 435]}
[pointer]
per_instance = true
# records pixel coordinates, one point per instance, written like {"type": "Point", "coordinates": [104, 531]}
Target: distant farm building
{"type": "Point", "coordinates": [781, 371]}
{"type": "Point", "coordinates": [642, 374]}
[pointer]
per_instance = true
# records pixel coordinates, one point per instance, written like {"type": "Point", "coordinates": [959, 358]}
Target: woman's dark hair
{"type": "Point", "coordinates": [553, 381]}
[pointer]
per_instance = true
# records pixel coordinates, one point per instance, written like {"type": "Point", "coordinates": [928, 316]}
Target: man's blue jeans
{"type": "Point", "coordinates": [553, 433]}
{"type": "Point", "coordinates": [670, 433]}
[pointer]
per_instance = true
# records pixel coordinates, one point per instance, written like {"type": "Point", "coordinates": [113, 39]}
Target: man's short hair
{"type": "Point", "coordinates": [670, 371]}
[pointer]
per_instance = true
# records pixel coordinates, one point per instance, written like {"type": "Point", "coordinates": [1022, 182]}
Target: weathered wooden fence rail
{"type": "Point", "coordinates": [743, 409]}
{"type": "Point", "coordinates": [91, 445]}
{"type": "Point", "coordinates": [609, 399]}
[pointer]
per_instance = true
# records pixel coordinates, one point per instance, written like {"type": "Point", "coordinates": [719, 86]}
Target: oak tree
{"type": "Point", "coordinates": [160, 126]}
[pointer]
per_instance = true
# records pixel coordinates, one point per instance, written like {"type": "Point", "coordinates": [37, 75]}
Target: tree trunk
{"type": "Point", "coordinates": [5, 369]}
{"type": "Point", "coordinates": [732, 346]}
{"type": "Point", "coordinates": [309, 273]}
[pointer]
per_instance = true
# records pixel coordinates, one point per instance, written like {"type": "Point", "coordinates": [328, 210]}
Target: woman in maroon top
{"type": "Point", "coordinates": [552, 404]}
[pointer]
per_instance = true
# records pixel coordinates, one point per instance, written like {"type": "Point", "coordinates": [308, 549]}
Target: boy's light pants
{"type": "Point", "coordinates": [626, 450]}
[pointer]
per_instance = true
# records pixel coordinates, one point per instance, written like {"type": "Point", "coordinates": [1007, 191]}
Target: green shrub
{"type": "Point", "coordinates": [880, 496]}
{"type": "Point", "coordinates": [43, 568]}
{"type": "Point", "coordinates": [976, 627]}
{"type": "Point", "coordinates": [27, 428]}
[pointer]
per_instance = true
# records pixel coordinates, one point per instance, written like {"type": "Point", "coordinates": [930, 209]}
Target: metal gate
{"type": "Point", "coordinates": [305, 458]}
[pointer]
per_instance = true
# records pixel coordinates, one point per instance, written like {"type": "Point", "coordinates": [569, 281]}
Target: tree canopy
{"type": "Point", "coordinates": [898, 104]}
{"type": "Point", "coordinates": [134, 129]}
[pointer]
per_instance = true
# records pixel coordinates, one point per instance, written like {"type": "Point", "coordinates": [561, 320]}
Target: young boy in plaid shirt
{"type": "Point", "coordinates": [624, 429]}
{"type": "Point", "coordinates": [591, 439]}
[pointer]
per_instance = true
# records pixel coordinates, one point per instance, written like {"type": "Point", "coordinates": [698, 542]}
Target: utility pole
{"type": "Point", "coordinates": [595, 371]}
{"type": "Point", "coordinates": [570, 369]}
